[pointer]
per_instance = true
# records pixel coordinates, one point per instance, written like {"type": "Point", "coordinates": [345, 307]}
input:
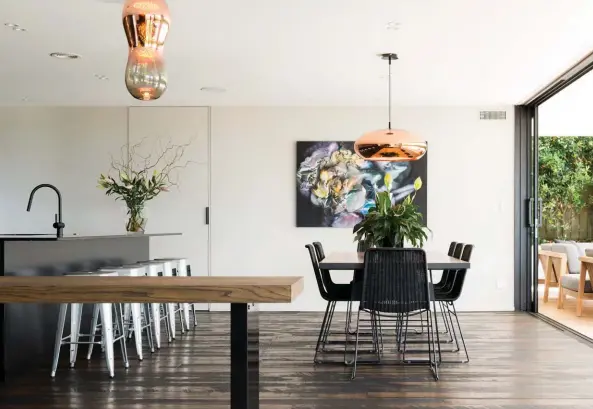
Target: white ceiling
{"type": "Point", "coordinates": [305, 52]}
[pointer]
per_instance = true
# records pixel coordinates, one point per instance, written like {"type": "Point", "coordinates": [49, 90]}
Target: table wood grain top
{"type": "Point", "coordinates": [351, 260]}
{"type": "Point", "coordinates": [81, 289]}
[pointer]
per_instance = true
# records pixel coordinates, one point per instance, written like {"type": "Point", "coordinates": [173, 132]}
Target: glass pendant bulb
{"type": "Point", "coordinates": [146, 78]}
{"type": "Point", "coordinates": [392, 145]}
{"type": "Point", "coordinates": [146, 23]}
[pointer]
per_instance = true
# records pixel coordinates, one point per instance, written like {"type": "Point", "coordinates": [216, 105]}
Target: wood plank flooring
{"type": "Point", "coordinates": [517, 362]}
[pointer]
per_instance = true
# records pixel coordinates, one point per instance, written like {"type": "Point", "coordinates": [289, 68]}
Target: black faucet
{"type": "Point", "coordinates": [58, 225]}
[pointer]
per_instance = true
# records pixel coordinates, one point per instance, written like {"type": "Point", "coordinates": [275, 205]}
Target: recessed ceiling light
{"type": "Point", "coordinates": [11, 25]}
{"type": "Point", "coordinates": [25, 99]}
{"type": "Point", "coordinates": [218, 90]}
{"type": "Point", "coordinates": [101, 77]}
{"type": "Point", "coordinates": [393, 25]}
{"type": "Point", "coordinates": [19, 29]}
{"type": "Point", "coordinates": [65, 56]}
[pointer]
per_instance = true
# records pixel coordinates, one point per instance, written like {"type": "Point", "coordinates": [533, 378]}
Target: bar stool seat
{"type": "Point", "coordinates": [108, 337]}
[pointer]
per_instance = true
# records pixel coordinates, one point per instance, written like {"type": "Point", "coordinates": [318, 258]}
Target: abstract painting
{"type": "Point", "coordinates": [336, 188]}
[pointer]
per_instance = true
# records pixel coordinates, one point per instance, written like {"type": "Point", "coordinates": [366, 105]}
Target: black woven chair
{"type": "Point", "coordinates": [332, 293]}
{"type": "Point", "coordinates": [455, 250]}
{"type": "Point", "coordinates": [395, 283]}
{"type": "Point", "coordinates": [447, 297]}
{"type": "Point", "coordinates": [319, 250]}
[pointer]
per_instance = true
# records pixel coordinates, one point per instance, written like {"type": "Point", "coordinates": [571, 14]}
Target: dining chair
{"type": "Point", "coordinates": [447, 297]}
{"type": "Point", "coordinates": [330, 292]}
{"type": "Point", "coordinates": [396, 284]}
{"type": "Point", "coordinates": [319, 250]}
{"type": "Point", "coordinates": [455, 250]}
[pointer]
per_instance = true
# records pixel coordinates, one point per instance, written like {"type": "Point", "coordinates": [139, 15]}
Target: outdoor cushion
{"type": "Point", "coordinates": [571, 282]}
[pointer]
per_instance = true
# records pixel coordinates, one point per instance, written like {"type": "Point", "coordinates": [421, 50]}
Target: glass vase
{"type": "Point", "coordinates": [136, 220]}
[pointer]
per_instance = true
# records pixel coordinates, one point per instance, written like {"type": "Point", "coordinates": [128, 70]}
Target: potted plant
{"type": "Point", "coordinates": [138, 179]}
{"type": "Point", "coordinates": [389, 224]}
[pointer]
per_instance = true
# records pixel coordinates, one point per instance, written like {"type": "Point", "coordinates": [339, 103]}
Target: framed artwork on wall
{"type": "Point", "coordinates": [335, 187]}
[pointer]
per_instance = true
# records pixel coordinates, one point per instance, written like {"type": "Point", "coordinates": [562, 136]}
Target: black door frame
{"type": "Point", "coordinates": [527, 210]}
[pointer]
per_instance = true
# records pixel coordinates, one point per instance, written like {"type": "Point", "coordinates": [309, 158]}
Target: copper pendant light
{"type": "Point", "coordinates": [146, 23]}
{"type": "Point", "coordinates": [393, 145]}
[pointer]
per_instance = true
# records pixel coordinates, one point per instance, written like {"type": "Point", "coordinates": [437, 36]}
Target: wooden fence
{"type": "Point", "coordinates": [581, 227]}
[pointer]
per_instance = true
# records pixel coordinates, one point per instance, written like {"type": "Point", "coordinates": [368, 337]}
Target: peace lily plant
{"type": "Point", "coordinates": [139, 179]}
{"type": "Point", "coordinates": [390, 225]}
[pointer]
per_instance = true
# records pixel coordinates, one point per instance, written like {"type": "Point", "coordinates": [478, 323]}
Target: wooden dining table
{"type": "Point", "coordinates": [352, 260]}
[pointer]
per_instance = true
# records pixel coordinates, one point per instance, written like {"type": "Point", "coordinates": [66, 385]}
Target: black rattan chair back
{"type": "Point", "coordinates": [320, 285]}
{"type": "Point", "coordinates": [459, 277]}
{"type": "Point", "coordinates": [319, 250]}
{"type": "Point", "coordinates": [395, 281]}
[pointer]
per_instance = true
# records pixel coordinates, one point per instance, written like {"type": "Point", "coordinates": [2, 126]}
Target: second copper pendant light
{"type": "Point", "coordinates": [393, 145]}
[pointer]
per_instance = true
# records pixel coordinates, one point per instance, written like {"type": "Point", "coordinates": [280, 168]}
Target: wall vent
{"type": "Point", "coordinates": [493, 115]}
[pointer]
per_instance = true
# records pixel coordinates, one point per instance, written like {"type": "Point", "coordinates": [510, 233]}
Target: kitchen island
{"type": "Point", "coordinates": [27, 331]}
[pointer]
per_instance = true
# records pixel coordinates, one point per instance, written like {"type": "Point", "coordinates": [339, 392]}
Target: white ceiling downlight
{"type": "Point", "coordinates": [215, 90]}
{"type": "Point", "coordinates": [11, 25]}
{"type": "Point", "coordinates": [101, 77]}
{"type": "Point", "coordinates": [64, 56]}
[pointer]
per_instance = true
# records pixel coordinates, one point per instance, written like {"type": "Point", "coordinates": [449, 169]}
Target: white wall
{"type": "Point", "coordinates": [470, 185]}
{"type": "Point", "coordinates": [70, 147]}
{"type": "Point", "coordinates": [470, 192]}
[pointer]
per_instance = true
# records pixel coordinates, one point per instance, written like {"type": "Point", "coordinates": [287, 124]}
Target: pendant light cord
{"type": "Point", "coordinates": [389, 91]}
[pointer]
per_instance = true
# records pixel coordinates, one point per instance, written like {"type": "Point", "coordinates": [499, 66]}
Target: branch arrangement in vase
{"type": "Point", "coordinates": [136, 179]}
{"type": "Point", "coordinates": [389, 224]}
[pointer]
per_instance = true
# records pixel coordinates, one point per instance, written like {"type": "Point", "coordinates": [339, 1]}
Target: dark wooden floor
{"type": "Point", "coordinates": [518, 362]}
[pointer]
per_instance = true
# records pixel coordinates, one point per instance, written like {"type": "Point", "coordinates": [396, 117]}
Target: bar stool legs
{"type": "Point", "coordinates": [75, 317]}
{"type": "Point", "coordinates": [58, 341]}
{"type": "Point", "coordinates": [109, 335]}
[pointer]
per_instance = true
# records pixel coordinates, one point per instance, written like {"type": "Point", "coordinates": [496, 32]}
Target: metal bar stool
{"type": "Point", "coordinates": [108, 337]}
{"type": "Point", "coordinates": [180, 268]}
{"type": "Point", "coordinates": [140, 312]}
{"type": "Point", "coordinates": [159, 311]}
{"type": "Point", "coordinates": [172, 309]}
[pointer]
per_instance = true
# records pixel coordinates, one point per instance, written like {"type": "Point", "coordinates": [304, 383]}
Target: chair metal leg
{"type": "Point", "coordinates": [431, 346]}
{"type": "Point", "coordinates": [171, 315]}
{"type": "Point", "coordinates": [148, 324]}
{"type": "Point", "coordinates": [356, 347]}
{"type": "Point", "coordinates": [137, 322]}
{"type": "Point", "coordinates": [59, 336]}
{"type": "Point", "coordinates": [321, 332]}
{"type": "Point", "coordinates": [156, 322]}
{"type": "Point", "coordinates": [460, 333]}
{"type": "Point", "coordinates": [193, 308]}
{"type": "Point", "coordinates": [119, 323]}
{"type": "Point", "coordinates": [329, 324]}
{"type": "Point", "coordinates": [94, 324]}
{"type": "Point", "coordinates": [107, 328]}
{"type": "Point", "coordinates": [75, 317]}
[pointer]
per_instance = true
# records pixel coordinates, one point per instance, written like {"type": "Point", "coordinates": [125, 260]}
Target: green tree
{"type": "Point", "coordinates": [565, 177]}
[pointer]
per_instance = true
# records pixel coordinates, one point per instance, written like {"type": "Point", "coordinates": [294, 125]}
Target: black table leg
{"type": "Point", "coordinates": [244, 356]}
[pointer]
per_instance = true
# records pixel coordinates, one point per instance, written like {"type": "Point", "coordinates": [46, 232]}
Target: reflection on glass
{"type": "Point", "coordinates": [146, 23]}
{"type": "Point", "coordinates": [146, 78]}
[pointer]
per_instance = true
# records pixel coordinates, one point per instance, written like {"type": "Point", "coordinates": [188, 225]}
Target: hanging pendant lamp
{"type": "Point", "coordinates": [393, 145]}
{"type": "Point", "coordinates": [146, 23]}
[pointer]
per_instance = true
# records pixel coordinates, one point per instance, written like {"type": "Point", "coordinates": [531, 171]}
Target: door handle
{"type": "Point", "coordinates": [530, 222]}
{"type": "Point", "coordinates": [207, 215]}
{"type": "Point", "coordinates": [540, 206]}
